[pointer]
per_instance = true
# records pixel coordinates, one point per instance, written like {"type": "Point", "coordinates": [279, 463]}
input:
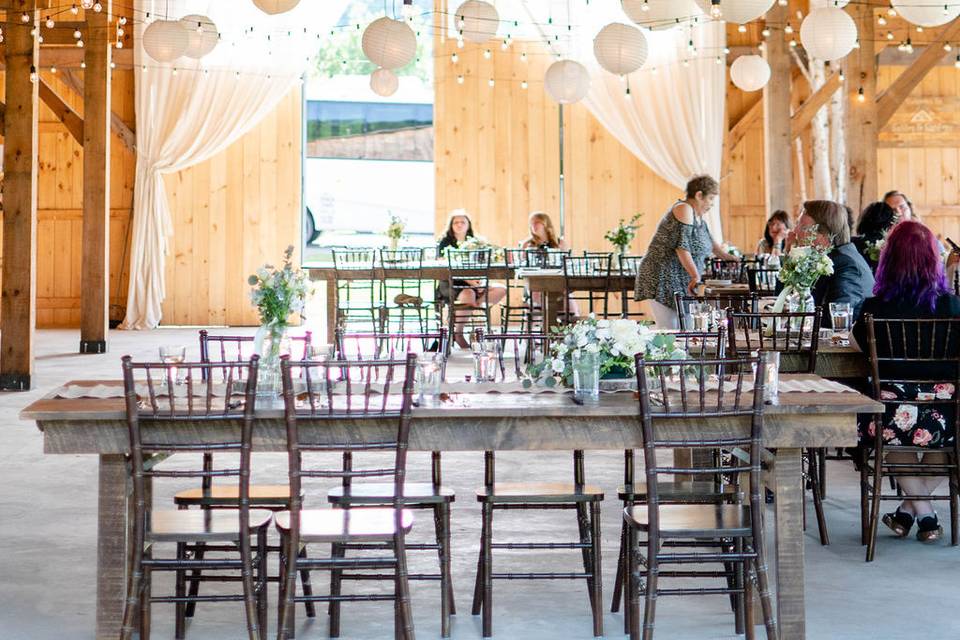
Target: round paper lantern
{"type": "Point", "coordinates": [567, 81]}
{"type": "Point", "coordinates": [274, 7]}
{"type": "Point", "coordinates": [384, 82]}
{"type": "Point", "coordinates": [828, 34]}
{"type": "Point", "coordinates": [660, 14]}
{"type": "Point", "coordinates": [750, 73]}
{"type": "Point", "coordinates": [165, 40]}
{"type": "Point", "coordinates": [388, 43]}
{"type": "Point", "coordinates": [738, 11]}
{"type": "Point", "coordinates": [478, 20]}
{"type": "Point", "coordinates": [620, 48]}
{"type": "Point", "coordinates": [927, 13]}
{"type": "Point", "coordinates": [202, 36]}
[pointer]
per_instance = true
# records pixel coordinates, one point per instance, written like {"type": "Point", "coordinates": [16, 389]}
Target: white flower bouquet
{"type": "Point", "coordinates": [874, 249]}
{"type": "Point", "coordinates": [395, 228]}
{"type": "Point", "coordinates": [617, 341]}
{"type": "Point", "coordinates": [278, 293]}
{"type": "Point", "coordinates": [477, 243]}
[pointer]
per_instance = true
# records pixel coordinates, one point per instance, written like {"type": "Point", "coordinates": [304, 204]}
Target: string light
{"type": "Point", "coordinates": [860, 96]}
{"type": "Point", "coordinates": [80, 44]}
{"type": "Point", "coordinates": [97, 7]}
{"type": "Point", "coordinates": [523, 84]}
{"type": "Point", "coordinates": [77, 35]}
{"type": "Point", "coordinates": [83, 65]}
{"type": "Point", "coordinates": [891, 11]}
{"type": "Point", "coordinates": [490, 82]}
{"type": "Point", "coordinates": [49, 23]}
{"type": "Point", "coordinates": [33, 73]}
{"type": "Point", "coordinates": [889, 35]}
{"type": "Point", "coordinates": [715, 11]}
{"type": "Point", "coordinates": [765, 33]}
{"type": "Point", "coordinates": [957, 63]}
{"type": "Point", "coordinates": [882, 21]}
{"type": "Point", "coordinates": [459, 79]}
{"type": "Point", "coordinates": [742, 28]}
{"type": "Point", "coordinates": [454, 58]}
{"type": "Point", "coordinates": [25, 17]}
{"type": "Point", "coordinates": [74, 9]}
{"type": "Point", "coordinates": [487, 54]}
{"type": "Point", "coordinates": [53, 69]}
{"type": "Point", "coordinates": [523, 57]}
{"type": "Point", "coordinates": [947, 47]}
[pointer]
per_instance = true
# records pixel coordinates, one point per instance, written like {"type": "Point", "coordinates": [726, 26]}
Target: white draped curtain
{"type": "Point", "coordinates": [190, 110]}
{"type": "Point", "coordinates": [673, 120]}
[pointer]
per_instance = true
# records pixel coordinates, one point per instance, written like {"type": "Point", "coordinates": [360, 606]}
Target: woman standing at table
{"type": "Point", "coordinates": [911, 285]}
{"type": "Point", "coordinates": [678, 251]}
{"type": "Point", "coordinates": [459, 228]}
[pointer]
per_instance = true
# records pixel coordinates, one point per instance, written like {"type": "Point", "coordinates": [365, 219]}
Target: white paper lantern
{"type": "Point", "coordinates": [388, 43]}
{"type": "Point", "coordinates": [202, 36]}
{"type": "Point", "coordinates": [384, 82]}
{"type": "Point", "coordinates": [750, 73]}
{"type": "Point", "coordinates": [274, 7]}
{"type": "Point", "coordinates": [927, 13]}
{"type": "Point", "coordinates": [620, 48]}
{"type": "Point", "coordinates": [738, 11]}
{"type": "Point", "coordinates": [660, 14]}
{"type": "Point", "coordinates": [567, 81]}
{"type": "Point", "coordinates": [478, 20]}
{"type": "Point", "coordinates": [828, 34]}
{"type": "Point", "coordinates": [165, 40]}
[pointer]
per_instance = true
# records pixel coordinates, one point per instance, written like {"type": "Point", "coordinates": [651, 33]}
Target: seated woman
{"type": "Point", "coordinates": [543, 236]}
{"type": "Point", "coordinates": [459, 228]}
{"type": "Point", "coordinates": [911, 284]}
{"type": "Point", "coordinates": [775, 234]}
{"type": "Point", "coordinates": [876, 220]}
{"type": "Point", "coordinates": [852, 280]}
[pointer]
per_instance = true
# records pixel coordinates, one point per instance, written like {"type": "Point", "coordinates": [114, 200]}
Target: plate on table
{"type": "Point", "coordinates": [718, 283]}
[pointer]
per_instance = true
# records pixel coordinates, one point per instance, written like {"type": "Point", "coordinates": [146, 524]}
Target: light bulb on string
{"type": "Point", "coordinates": [74, 9]}
{"type": "Point", "coordinates": [490, 82]}
{"type": "Point", "coordinates": [53, 69]}
{"type": "Point", "coordinates": [957, 63]}
{"type": "Point", "coordinates": [49, 23]}
{"type": "Point", "coordinates": [947, 47]}
{"type": "Point", "coordinates": [860, 96]}
{"type": "Point", "coordinates": [487, 54]}
{"type": "Point", "coordinates": [113, 65]}
{"type": "Point", "coordinates": [788, 28]}
{"type": "Point", "coordinates": [122, 20]}
{"type": "Point", "coordinates": [919, 28]}
{"type": "Point", "coordinates": [174, 71]}
{"type": "Point", "coordinates": [97, 7]}
{"type": "Point", "coordinates": [83, 65]}
{"type": "Point", "coordinates": [892, 12]}
{"type": "Point", "coordinates": [119, 44]}
{"type": "Point", "coordinates": [88, 4]}
{"type": "Point", "coordinates": [889, 35]}
{"type": "Point", "coordinates": [793, 44]}
{"type": "Point", "coordinates": [460, 43]}
{"type": "Point", "coordinates": [523, 84]}
{"type": "Point", "coordinates": [77, 34]}
{"type": "Point", "coordinates": [408, 10]}
{"type": "Point", "coordinates": [25, 17]}
{"type": "Point", "coordinates": [523, 57]}
{"type": "Point", "coordinates": [742, 28]}
{"type": "Point", "coordinates": [765, 33]}
{"type": "Point", "coordinates": [646, 5]}
{"type": "Point", "coordinates": [504, 45]}
{"type": "Point", "coordinates": [79, 44]}
{"type": "Point", "coordinates": [715, 11]}
{"type": "Point", "coordinates": [33, 74]}
{"type": "Point", "coordinates": [454, 58]}
{"type": "Point", "coordinates": [882, 21]}
{"type": "Point", "coordinates": [459, 79]}
{"type": "Point", "coordinates": [782, 3]}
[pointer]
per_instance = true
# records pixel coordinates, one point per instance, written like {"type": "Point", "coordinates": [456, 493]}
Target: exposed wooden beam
{"type": "Point", "coordinates": [860, 119]}
{"type": "Point", "coordinates": [18, 291]}
{"type": "Point", "coordinates": [73, 56]}
{"type": "Point", "coordinates": [95, 263]}
{"type": "Point", "coordinates": [776, 113]}
{"type": "Point", "coordinates": [891, 99]}
{"type": "Point", "coordinates": [747, 120]}
{"type": "Point", "coordinates": [802, 117]}
{"type": "Point", "coordinates": [119, 127]}
{"type": "Point", "coordinates": [62, 110]}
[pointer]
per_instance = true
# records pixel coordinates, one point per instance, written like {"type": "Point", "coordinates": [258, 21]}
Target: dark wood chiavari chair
{"type": "Point", "coordinates": [744, 303]}
{"type": "Point", "coordinates": [597, 301]}
{"type": "Point", "coordinates": [737, 529]}
{"type": "Point", "coordinates": [335, 394]}
{"type": "Point", "coordinates": [541, 258]}
{"type": "Point", "coordinates": [517, 308]}
{"type": "Point", "coordinates": [697, 345]}
{"type": "Point", "coordinates": [629, 265]}
{"type": "Point", "coordinates": [762, 281]}
{"type": "Point", "coordinates": [359, 305]}
{"type": "Point", "coordinates": [494, 496]}
{"type": "Point", "coordinates": [469, 269]}
{"type": "Point", "coordinates": [720, 269]}
{"type": "Point", "coordinates": [795, 336]}
{"type": "Point", "coordinates": [523, 348]}
{"type": "Point", "coordinates": [158, 402]}
{"type": "Point", "coordinates": [927, 346]}
{"type": "Point", "coordinates": [432, 496]}
{"type": "Point", "coordinates": [404, 296]}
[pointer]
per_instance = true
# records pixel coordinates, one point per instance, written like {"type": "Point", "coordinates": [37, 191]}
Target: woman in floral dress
{"type": "Point", "coordinates": [678, 252]}
{"type": "Point", "coordinates": [910, 283]}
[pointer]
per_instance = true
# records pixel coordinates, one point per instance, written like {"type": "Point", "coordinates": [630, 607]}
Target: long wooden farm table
{"type": "Point", "coordinates": [468, 422]}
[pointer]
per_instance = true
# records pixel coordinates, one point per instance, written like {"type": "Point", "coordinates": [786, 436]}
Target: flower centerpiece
{"type": "Point", "coordinates": [478, 243]}
{"type": "Point", "coordinates": [616, 341]}
{"type": "Point", "coordinates": [800, 269]}
{"type": "Point", "coordinates": [395, 230]}
{"type": "Point", "coordinates": [732, 249]}
{"type": "Point", "coordinates": [874, 249]}
{"type": "Point", "coordinates": [277, 294]}
{"type": "Point", "coordinates": [623, 235]}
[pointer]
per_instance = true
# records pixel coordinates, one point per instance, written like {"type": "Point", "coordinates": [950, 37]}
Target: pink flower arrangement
{"type": "Point", "coordinates": [921, 437]}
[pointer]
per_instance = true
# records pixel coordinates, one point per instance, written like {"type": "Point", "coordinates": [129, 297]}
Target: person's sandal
{"type": "Point", "coordinates": [929, 529]}
{"type": "Point", "coordinates": [898, 522]}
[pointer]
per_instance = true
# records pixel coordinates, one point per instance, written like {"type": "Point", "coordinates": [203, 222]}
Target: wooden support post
{"type": "Point", "coordinates": [776, 117]}
{"type": "Point", "coordinates": [18, 306]}
{"type": "Point", "coordinates": [95, 266]}
{"type": "Point", "coordinates": [860, 125]}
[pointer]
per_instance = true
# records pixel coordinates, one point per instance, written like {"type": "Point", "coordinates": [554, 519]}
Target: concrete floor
{"type": "Point", "coordinates": [48, 552]}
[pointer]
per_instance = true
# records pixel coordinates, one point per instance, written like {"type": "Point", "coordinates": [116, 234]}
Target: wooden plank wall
{"type": "Point", "coordinates": [60, 204]}
{"type": "Point", "coordinates": [231, 214]}
{"type": "Point", "coordinates": [497, 153]}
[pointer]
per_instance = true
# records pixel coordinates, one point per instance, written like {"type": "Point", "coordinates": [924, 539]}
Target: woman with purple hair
{"type": "Point", "coordinates": [910, 283]}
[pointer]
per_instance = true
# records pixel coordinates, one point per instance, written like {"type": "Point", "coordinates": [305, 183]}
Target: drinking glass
{"type": "Point", "coordinates": [586, 377]}
{"type": "Point", "coordinates": [701, 315]}
{"type": "Point", "coordinates": [841, 318]}
{"type": "Point", "coordinates": [486, 364]}
{"type": "Point", "coordinates": [428, 374]}
{"type": "Point", "coordinates": [771, 361]}
{"type": "Point", "coordinates": [320, 352]}
{"type": "Point", "coordinates": [173, 354]}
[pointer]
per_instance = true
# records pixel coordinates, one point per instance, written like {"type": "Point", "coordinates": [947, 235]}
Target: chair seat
{"type": "Point", "coordinates": [382, 493]}
{"type": "Point", "coordinates": [521, 492]}
{"type": "Point", "coordinates": [695, 520]}
{"type": "Point", "coordinates": [679, 491]}
{"type": "Point", "coordinates": [227, 495]}
{"type": "Point", "coordinates": [345, 525]}
{"type": "Point", "coordinates": [221, 525]}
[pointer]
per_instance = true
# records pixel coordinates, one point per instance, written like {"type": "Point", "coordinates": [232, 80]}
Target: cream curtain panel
{"type": "Point", "coordinates": [673, 119]}
{"type": "Point", "coordinates": [190, 110]}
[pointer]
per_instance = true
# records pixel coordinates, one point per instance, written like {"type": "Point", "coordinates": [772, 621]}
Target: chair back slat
{"type": "Point", "coordinates": [762, 280]}
{"type": "Point", "coordinates": [236, 348]}
{"type": "Point", "coordinates": [387, 346]}
{"type": "Point", "coordinates": [525, 348]}
{"type": "Point", "coordinates": [544, 258]}
{"type": "Point", "coordinates": [743, 303]}
{"type": "Point", "coordinates": [788, 333]}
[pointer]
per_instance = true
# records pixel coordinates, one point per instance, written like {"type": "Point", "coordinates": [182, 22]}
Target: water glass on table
{"type": "Point", "coordinates": [701, 316]}
{"type": "Point", "coordinates": [486, 363]}
{"type": "Point", "coordinates": [586, 377]}
{"type": "Point", "coordinates": [428, 375]}
{"type": "Point", "coordinates": [841, 319]}
{"type": "Point", "coordinates": [173, 354]}
{"type": "Point", "coordinates": [770, 360]}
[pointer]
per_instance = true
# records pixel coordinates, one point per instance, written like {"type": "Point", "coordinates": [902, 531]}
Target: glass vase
{"type": "Point", "coordinates": [800, 301]}
{"type": "Point", "coordinates": [270, 343]}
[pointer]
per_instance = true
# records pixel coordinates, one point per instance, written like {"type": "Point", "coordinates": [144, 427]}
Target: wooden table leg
{"type": "Point", "coordinates": [111, 545]}
{"type": "Point", "coordinates": [788, 547]}
{"type": "Point", "coordinates": [552, 302]}
{"type": "Point", "coordinates": [331, 302]}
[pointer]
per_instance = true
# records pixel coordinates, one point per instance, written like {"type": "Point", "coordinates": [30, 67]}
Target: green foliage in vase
{"type": "Point", "coordinates": [278, 293]}
{"type": "Point", "coordinates": [624, 233]}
